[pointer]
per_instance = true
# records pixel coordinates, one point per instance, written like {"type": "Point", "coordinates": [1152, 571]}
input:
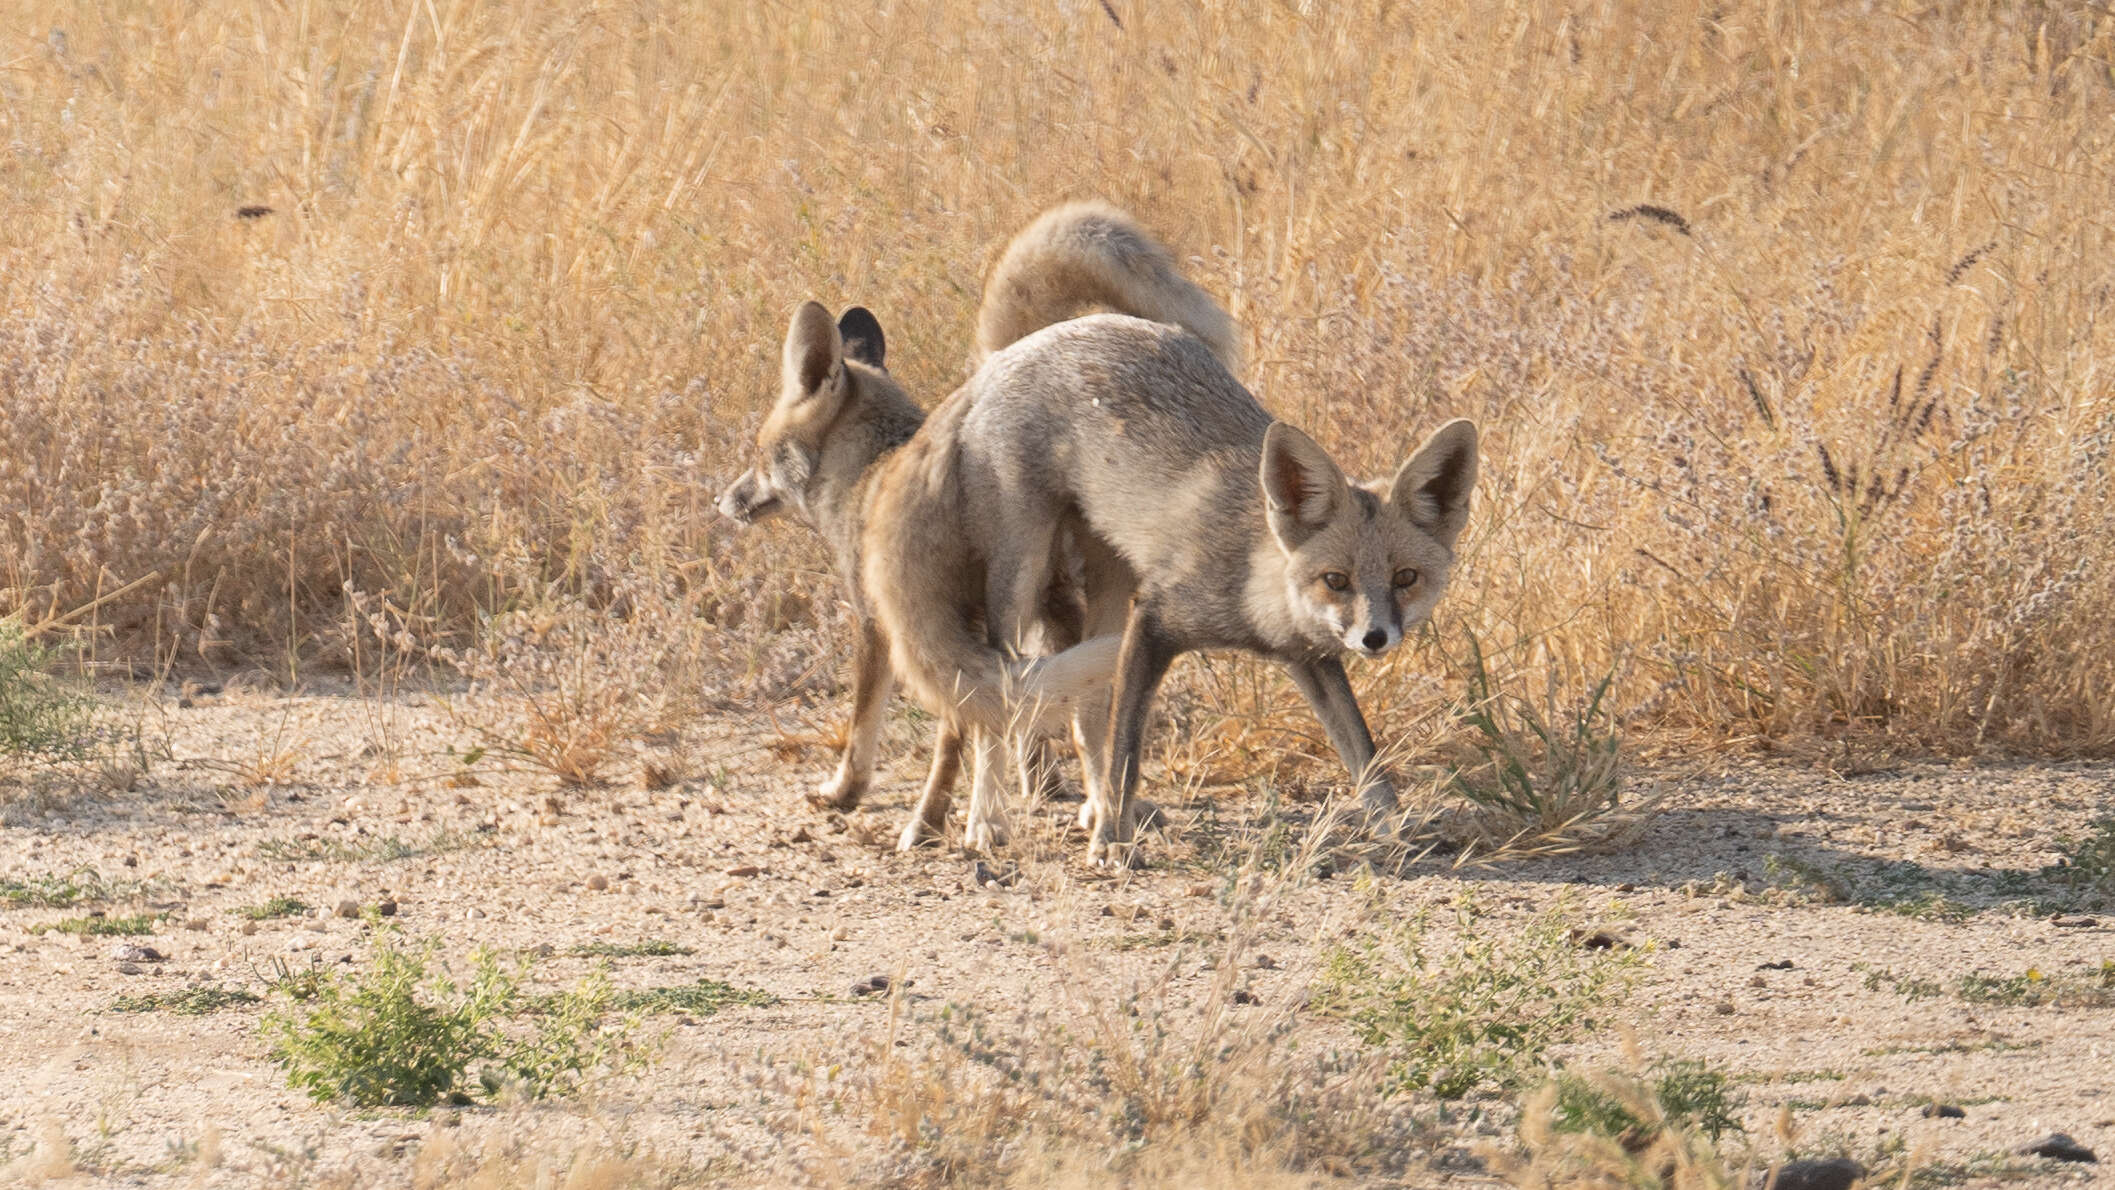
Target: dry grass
{"type": "Point", "coordinates": [1788, 327]}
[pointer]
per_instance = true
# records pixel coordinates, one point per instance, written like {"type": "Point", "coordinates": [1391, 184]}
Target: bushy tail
{"type": "Point", "coordinates": [1085, 255]}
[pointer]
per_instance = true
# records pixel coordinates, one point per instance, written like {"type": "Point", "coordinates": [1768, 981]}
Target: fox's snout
{"type": "Point", "coordinates": [749, 499]}
{"type": "Point", "coordinates": [1373, 641]}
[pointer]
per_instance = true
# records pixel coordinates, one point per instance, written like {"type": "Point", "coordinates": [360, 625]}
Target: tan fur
{"type": "Point", "coordinates": [845, 449]}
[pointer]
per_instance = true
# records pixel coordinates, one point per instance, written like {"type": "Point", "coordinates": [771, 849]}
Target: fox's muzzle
{"type": "Point", "coordinates": [750, 499]}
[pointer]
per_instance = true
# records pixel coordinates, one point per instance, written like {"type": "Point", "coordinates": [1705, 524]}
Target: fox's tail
{"type": "Point", "coordinates": [1084, 255]}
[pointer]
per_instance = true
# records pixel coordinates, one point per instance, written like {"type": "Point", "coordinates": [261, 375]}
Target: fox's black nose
{"type": "Point", "coordinates": [1374, 640]}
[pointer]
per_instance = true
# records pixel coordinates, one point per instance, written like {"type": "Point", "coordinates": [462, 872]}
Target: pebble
{"type": "Point", "coordinates": [1832, 1173]}
{"type": "Point", "coordinates": [1943, 1111]}
{"type": "Point", "coordinates": [133, 952]}
{"type": "Point", "coordinates": [2058, 1146]}
{"type": "Point", "coordinates": [744, 871]}
{"type": "Point", "coordinates": [386, 908]}
{"type": "Point", "coordinates": [348, 909]}
{"type": "Point", "coordinates": [598, 883]}
{"type": "Point", "coordinates": [985, 876]}
{"type": "Point", "coordinates": [870, 985]}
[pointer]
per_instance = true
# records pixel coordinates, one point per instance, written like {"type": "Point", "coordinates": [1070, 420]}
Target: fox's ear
{"type": "Point", "coordinates": [814, 353]}
{"type": "Point", "coordinates": [1303, 487]}
{"type": "Point", "coordinates": [1433, 486]}
{"type": "Point", "coordinates": [861, 332]}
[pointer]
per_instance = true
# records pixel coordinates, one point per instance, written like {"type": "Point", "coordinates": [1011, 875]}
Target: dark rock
{"type": "Point", "coordinates": [1779, 965]}
{"type": "Point", "coordinates": [386, 908]}
{"type": "Point", "coordinates": [348, 909]}
{"type": "Point", "coordinates": [1244, 996]}
{"type": "Point", "coordinates": [1943, 1111]}
{"type": "Point", "coordinates": [2058, 1146]}
{"type": "Point", "coordinates": [870, 985]}
{"type": "Point", "coordinates": [1832, 1173]}
{"type": "Point", "coordinates": [985, 876]}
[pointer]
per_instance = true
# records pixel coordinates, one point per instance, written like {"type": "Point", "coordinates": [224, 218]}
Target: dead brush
{"type": "Point", "coordinates": [569, 689]}
{"type": "Point", "coordinates": [1545, 773]}
{"type": "Point", "coordinates": [1154, 1080]}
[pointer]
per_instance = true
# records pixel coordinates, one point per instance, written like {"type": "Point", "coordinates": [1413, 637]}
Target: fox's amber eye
{"type": "Point", "coordinates": [1336, 580]}
{"type": "Point", "coordinates": [1406, 577]}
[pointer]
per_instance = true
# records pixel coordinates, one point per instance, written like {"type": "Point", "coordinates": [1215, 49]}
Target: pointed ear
{"type": "Point", "coordinates": [1432, 488]}
{"type": "Point", "coordinates": [1303, 487]}
{"type": "Point", "coordinates": [861, 332]}
{"type": "Point", "coordinates": [814, 353]}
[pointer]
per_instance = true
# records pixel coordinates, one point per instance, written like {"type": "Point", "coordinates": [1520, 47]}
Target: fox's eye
{"type": "Point", "coordinates": [1406, 577]}
{"type": "Point", "coordinates": [1336, 580]}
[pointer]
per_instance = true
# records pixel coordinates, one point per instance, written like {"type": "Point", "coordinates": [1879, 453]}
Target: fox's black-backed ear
{"type": "Point", "coordinates": [861, 332]}
{"type": "Point", "coordinates": [1303, 486]}
{"type": "Point", "coordinates": [1433, 486]}
{"type": "Point", "coordinates": [814, 352]}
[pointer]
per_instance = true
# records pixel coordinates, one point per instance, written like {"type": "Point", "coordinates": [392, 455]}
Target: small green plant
{"type": "Point", "coordinates": [1476, 1012]}
{"type": "Point", "coordinates": [54, 892]}
{"type": "Point", "coordinates": [1686, 1093]}
{"type": "Point", "coordinates": [276, 907]}
{"type": "Point", "coordinates": [384, 849]}
{"type": "Point", "coordinates": [2088, 863]}
{"type": "Point", "coordinates": [703, 998]}
{"type": "Point", "coordinates": [1551, 772]}
{"type": "Point", "coordinates": [404, 1033]}
{"type": "Point", "coordinates": [142, 923]}
{"type": "Point", "coordinates": [39, 716]}
{"type": "Point", "coordinates": [629, 950]}
{"type": "Point", "coordinates": [195, 1001]}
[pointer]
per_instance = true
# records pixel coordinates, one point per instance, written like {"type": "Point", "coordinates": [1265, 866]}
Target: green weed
{"type": "Point", "coordinates": [629, 950]}
{"type": "Point", "coordinates": [276, 907]}
{"type": "Point", "coordinates": [194, 1001]}
{"type": "Point", "coordinates": [1477, 1012]}
{"type": "Point", "coordinates": [91, 926]}
{"type": "Point", "coordinates": [402, 1032]}
{"type": "Point", "coordinates": [39, 716]}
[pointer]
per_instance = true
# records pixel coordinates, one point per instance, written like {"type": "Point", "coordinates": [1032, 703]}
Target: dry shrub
{"type": "Point", "coordinates": [1786, 326]}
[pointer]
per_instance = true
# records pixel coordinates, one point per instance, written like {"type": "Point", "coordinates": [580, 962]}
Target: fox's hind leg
{"type": "Point", "coordinates": [985, 828]}
{"type": "Point", "coordinates": [872, 679]}
{"type": "Point", "coordinates": [1147, 652]}
{"type": "Point", "coordinates": [929, 820]}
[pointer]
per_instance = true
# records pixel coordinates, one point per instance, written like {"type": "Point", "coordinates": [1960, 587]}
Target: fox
{"type": "Point", "coordinates": [846, 449]}
{"type": "Point", "coordinates": [1202, 522]}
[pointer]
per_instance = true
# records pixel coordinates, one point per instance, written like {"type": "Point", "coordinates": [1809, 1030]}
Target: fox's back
{"type": "Point", "coordinates": [1136, 427]}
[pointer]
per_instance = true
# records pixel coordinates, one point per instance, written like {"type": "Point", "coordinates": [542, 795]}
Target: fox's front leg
{"type": "Point", "coordinates": [1328, 690]}
{"type": "Point", "coordinates": [929, 820]}
{"type": "Point", "coordinates": [872, 679]}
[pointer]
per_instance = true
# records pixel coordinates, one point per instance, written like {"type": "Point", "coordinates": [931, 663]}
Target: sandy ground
{"type": "Point", "coordinates": [1807, 994]}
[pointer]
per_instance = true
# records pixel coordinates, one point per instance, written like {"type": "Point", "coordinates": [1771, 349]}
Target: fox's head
{"type": "Point", "coordinates": [1365, 564]}
{"type": "Point", "coordinates": [825, 364]}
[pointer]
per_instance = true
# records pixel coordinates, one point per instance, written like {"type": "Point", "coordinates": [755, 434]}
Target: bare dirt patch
{"type": "Point", "coordinates": [1849, 950]}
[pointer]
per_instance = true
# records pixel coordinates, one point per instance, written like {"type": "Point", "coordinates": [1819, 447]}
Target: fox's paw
{"type": "Point", "coordinates": [841, 792]}
{"type": "Point", "coordinates": [915, 835]}
{"type": "Point", "coordinates": [985, 836]}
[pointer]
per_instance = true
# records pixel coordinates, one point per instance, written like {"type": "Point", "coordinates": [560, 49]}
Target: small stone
{"type": "Point", "coordinates": [822, 892]}
{"type": "Point", "coordinates": [198, 925]}
{"type": "Point", "coordinates": [801, 836]}
{"type": "Point", "coordinates": [1266, 962]}
{"type": "Point", "coordinates": [598, 883]}
{"type": "Point", "coordinates": [133, 952]}
{"type": "Point", "coordinates": [870, 985]}
{"type": "Point", "coordinates": [744, 871]}
{"type": "Point", "coordinates": [1724, 1007]}
{"type": "Point", "coordinates": [2058, 1146]}
{"type": "Point", "coordinates": [1779, 965]}
{"type": "Point", "coordinates": [348, 909]}
{"type": "Point", "coordinates": [985, 876]}
{"type": "Point", "coordinates": [1833, 1173]}
{"type": "Point", "coordinates": [1244, 996]}
{"type": "Point", "coordinates": [840, 934]}
{"type": "Point", "coordinates": [2074, 923]}
{"type": "Point", "coordinates": [128, 968]}
{"type": "Point", "coordinates": [386, 908]}
{"type": "Point", "coordinates": [473, 913]}
{"type": "Point", "coordinates": [1943, 1111]}
{"type": "Point", "coordinates": [249, 928]}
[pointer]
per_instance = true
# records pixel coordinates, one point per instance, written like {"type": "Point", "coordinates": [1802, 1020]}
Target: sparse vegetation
{"type": "Point", "coordinates": [2031, 988]}
{"type": "Point", "coordinates": [192, 1001]}
{"type": "Point", "coordinates": [1474, 1009]}
{"type": "Point", "coordinates": [702, 998]}
{"type": "Point", "coordinates": [40, 717]}
{"type": "Point", "coordinates": [2088, 864]}
{"type": "Point", "coordinates": [93, 925]}
{"type": "Point", "coordinates": [628, 950]}
{"type": "Point", "coordinates": [56, 891]}
{"type": "Point", "coordinates": [380, 849]}
{"type": "Point", "coordinates": [278, 906]}
{"type": "Point", "coordinates": [1685, 1093]}
{"type": "Point", "coordinates": [402, 1033]}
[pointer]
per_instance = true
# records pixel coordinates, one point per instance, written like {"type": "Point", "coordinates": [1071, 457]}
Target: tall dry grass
{"type": "Point", "coordinates": [1788, 325]}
